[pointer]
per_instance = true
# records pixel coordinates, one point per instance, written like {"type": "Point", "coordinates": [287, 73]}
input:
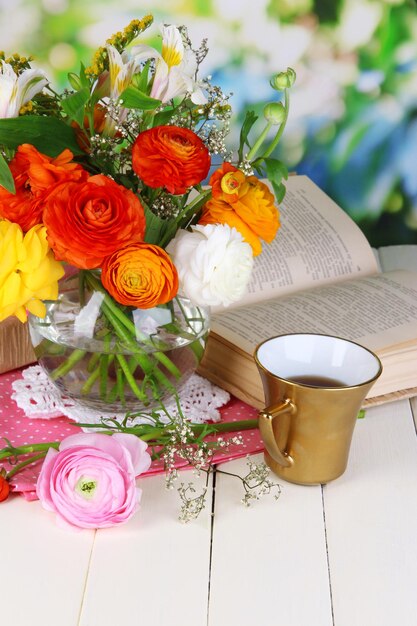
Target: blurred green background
{"type": "Point", "coordinates": [353, 121]}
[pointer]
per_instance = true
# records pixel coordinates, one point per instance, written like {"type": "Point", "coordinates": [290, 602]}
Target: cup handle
{"type": "Point", "coordinates": [266, 417]}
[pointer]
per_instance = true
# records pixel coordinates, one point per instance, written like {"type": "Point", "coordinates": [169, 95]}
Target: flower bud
{"type": "Point", "coordinates": [74, 81]}
{"type": "Point", "coordinates": [283, 80]}
{"type": "Point", "coordinates": [274, 112]}
{"type": "Point", "coordinates": [4, 486]}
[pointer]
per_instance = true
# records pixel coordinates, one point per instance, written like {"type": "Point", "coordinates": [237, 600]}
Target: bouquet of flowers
{"type": "Point", "coordinates": [122, 190]}
{"type": "Point", "coordinates": [103, 184]}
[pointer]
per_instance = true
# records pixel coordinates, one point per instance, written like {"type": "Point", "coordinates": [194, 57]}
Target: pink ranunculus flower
{"type": "Point", "coordinates": [90, 481]}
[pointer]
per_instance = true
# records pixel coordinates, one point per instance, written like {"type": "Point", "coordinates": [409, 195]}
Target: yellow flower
{"type": "Point", "coordinates": [29, 272]}
{"type": "Point", "coordinates": [119, 40]}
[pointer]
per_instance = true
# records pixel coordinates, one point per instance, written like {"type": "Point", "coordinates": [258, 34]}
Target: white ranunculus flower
{"type": "Point", "coordinates": [214, 264]}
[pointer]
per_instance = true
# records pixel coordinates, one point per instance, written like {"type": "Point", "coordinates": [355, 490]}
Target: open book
{"type": "Point", "coordinates": [320, 275]}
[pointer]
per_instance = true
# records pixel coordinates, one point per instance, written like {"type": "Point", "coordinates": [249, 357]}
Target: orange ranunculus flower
{"type": "Point", "coordinates": [4, 487]}
{"type": "Point", "coordinates": [45, 171]}
{"type": "Point", "coordinates": [34, 174]}
{"type": "Point", "coordinates": [253, 214]}
{"type": "Point", "coordinates": [140, 275]}
{"type": "Point", "coordinates": [171, 157]}
{"type": "Point", "coordinates": [226, 182]}
{"type": "Point", "coordinates": [89, 220]}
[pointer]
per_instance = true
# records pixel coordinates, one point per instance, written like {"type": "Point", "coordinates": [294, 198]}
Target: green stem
{"type": "Point", "coordinates": [278, 136]}
{"type": "Point", "coordinates": [105, 361]}
{"type": "Point", "coordinates": [23, 464]}
{"type": "Point", "coordinates": [166, 362]}
{"type": "Point", "coordinates": [11, 451]}
{"type": "Point", "coordinates": [258, 143]}
{"type": "Point", "coordinates": [94, 359]}
{"type": "Point", "coordinates": [183, 218]}
{"type": "Point", "coordinates": [120, 385]}
{"type": "Point", "coordinates": [86, 388]}
{"type": "Point", "coordinates": [121, 323]}
{"type": "Point", "coordinates": [81, 283]}
{"type": "Point", "coordinates": [157, 434]}
{"type": "Point", "coordinates": [125, 367]}
{"type": "Point", "coordinates": [111, 397]}
{"type": "Point", "coordinates": [65, 367]}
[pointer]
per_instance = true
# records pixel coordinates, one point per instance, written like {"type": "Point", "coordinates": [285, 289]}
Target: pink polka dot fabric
{"type": "Point", "coordinates": [21, 430]}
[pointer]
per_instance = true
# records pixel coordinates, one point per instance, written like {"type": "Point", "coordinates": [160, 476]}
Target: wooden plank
{"type": "Point", "coordinates": [15, 345]}
{"type": "Point", "coordinates": [43, 567]}
{"type": "Point", "coordinates": [269, 563]}
{"type": "Point", "coordinates": [371, 520]}
{"type": "Point", "coordinates": [154, 569]}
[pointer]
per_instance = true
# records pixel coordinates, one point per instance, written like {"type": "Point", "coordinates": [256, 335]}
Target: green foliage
{"type": "Point", "coordinates": [164, 116]}
{"type": "Point", "coordinates": [6, 178]}
{"type": "Point", "coordinates": [276, 171]}
{"type": "Point", "coordinates": [328, 10]}
{"type": "Point", "coordinates": [141, 79]}
{"type": "Point", "coordinates": [158, 229]}
{"type": "Point", "coordinates": [74, 105]}
{"type": "Point", "coordinates": [48, 134]}
{"type": "Point", "coordinates": [247, 125]}
{"type": "Point", "coordinates": [133, 98]}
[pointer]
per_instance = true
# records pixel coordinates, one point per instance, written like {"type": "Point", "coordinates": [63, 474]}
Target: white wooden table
{"type": "Point", "coordinates": [341, 555]}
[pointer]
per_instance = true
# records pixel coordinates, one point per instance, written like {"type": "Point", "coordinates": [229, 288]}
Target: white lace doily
{"type": "Point", "coordinates": [38, 397]}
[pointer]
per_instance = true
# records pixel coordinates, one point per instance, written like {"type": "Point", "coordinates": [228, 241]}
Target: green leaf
{"type": "Point", "coordinates": [194, 207]}
{"type": "Point", "coordinates": [248, 122]}
{"type": "Point", "coordinates": [133, 98]}
{"type": "Point", "coordinates": [157, 228]}
{"type": "Point", "coordinates": [275, 170]}
{"type": "Point", "coordinates": [85, 82]}
{"type": "Point", "coordinates": [279, 191]}
{"type": "Point", "coordinates": [361, 414]}
{"type": "Point", "coordinates": [74, 105]}
{"type": "Point", "coordinates": [6, 178]}
{"type": "Point", "coordinates": [140, 80]}
{"type": "Point", "coordinates": [163, 117]}
{"type": "Point", "coordinates": [48, 134]}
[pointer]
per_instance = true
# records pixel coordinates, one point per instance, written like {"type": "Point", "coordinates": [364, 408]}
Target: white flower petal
{"type": "Point", "coordinates": [214, 264]}
{"type": "Point", "coordinates": [172, 45]}
{"type": "Point", "coordinates": [15, 91]}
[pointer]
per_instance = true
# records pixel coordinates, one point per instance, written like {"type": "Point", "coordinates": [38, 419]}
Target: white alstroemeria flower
{"type": "Point", "coordinates": [121, 70]}
{"type": "Point", "coordinates": [16, 91]}
{"type": "Point", "coordinates": [174, 68]}
{"type": "Point", "coordinates": [214, 264]}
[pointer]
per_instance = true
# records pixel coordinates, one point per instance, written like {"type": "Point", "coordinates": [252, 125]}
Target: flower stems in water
{"type": "Point", "coordinates": [131, 364]}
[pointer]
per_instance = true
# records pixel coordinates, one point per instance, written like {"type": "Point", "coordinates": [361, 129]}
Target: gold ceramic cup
{"type": "Point", "coordinates": [314, 387]}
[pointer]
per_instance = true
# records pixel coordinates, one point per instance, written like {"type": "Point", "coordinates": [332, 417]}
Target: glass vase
{"type": "Point", "coordinates": [114, 358]}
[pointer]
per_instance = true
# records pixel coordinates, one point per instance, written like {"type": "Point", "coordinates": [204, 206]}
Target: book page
{"type": "Point", "coordinates": [378, 311]}
{"type": "Point", "coordinates": [317, 243]}
{"type": "Point", "coordinates": [402, 257]}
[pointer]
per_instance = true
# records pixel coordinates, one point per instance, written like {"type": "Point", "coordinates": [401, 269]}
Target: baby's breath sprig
{"type": "Point", "coordinates": [191, 505]}
{"type": "Point", "coordinates": [171, 437]}
{"type": "Point", "coordinates": [257, 483]}
{"type": "Point", "coordinates": [199, 53]}
{"type": "Point", "coordinates": [199, 454]}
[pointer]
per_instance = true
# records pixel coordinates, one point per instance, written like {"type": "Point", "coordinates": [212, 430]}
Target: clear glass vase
{"type": "Point", "coordinates": [114, 358]}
